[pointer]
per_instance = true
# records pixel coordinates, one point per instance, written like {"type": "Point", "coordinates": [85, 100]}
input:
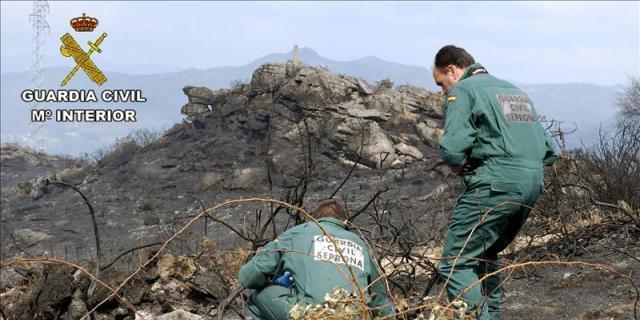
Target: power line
{"type": "Point", "coordinates": [41, 30]}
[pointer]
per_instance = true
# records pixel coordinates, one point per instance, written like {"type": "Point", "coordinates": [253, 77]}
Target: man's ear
{"type": "Point", "coordinates": [450, 70]}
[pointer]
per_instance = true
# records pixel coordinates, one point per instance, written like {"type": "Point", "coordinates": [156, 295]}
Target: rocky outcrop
{"type": "Point", "coordinates": [359, 122]}
{"type": "Point", "coordinates": [200, 100]}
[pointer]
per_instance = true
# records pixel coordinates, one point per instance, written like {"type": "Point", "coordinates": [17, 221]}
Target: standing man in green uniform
{"type": "Point", "coordinates": [494, 140]}
{"type": "Point", "coordinates": [312, 267]}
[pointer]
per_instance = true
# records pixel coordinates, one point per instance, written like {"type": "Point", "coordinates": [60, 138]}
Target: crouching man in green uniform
{"type": "Point", "coordinates": [312, 267]}
{"type": "Point", "coordinates": [494, 140]}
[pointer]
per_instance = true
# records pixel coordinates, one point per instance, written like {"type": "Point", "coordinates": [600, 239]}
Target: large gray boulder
{"type": "Point", "coordinates": [192, 110]}
{"type": "Point", "coordinates": [317, 88]}
{"type": "Point", "coordinates": [198, 95]}
{"type": "Point", "coordinates": [268, 78]}
{"type": "Point", "coordinates": [430, 133]}
{"type": "Point", "coordinates": [363, 139]}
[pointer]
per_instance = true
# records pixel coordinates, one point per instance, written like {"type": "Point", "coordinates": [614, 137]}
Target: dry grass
{"type": "Point", "coordinates": [339, 304]}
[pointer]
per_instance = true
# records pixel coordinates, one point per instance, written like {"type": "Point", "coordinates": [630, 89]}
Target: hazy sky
{"type": "Point", "coordinates": [530, 42]}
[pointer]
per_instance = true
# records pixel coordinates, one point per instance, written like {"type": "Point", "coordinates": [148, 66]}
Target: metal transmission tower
{"type": "Point", "coordinates": [40, 31]}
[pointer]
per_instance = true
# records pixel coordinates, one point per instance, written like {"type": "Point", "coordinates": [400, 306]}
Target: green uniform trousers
{"type": "Point", "coordinates": [487, 224]}
{"type": "Point", "coordinates": [271, 303]}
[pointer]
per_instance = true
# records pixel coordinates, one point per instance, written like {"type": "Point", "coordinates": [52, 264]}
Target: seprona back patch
{"type": "Point", "coordinates": [325, 250]}
{"type": "Point", "coordinates": [516, 108]}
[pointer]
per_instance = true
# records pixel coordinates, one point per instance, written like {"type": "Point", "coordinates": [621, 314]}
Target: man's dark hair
{"type": "Point", "coordinates": [329, 208]}
{"type": "Point", "coordinates": [453, 55]}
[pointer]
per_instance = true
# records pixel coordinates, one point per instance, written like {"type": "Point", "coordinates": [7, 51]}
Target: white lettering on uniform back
{"type": "Point", "coordinates": [516, 108]}
{"type": "Point", "coordinates": [324, 250]}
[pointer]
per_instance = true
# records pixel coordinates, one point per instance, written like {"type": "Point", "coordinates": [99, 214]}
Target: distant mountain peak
{"type": "Point", "coordinates": [306, 51]}
{"type": "Point", "coordinates": [305, 54]}
{"type": "Point", "coordinates": [371, 59]}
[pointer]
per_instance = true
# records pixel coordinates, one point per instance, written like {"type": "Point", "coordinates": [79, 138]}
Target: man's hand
{"type": "Point", "coordinates": [469, 166]}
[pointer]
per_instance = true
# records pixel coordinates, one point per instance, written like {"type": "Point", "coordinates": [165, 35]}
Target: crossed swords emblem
{"type": "Point", "coordinates": [70, 48]}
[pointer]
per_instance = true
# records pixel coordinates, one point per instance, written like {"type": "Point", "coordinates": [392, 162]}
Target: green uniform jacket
{"type": "Point", "coordinates": [487, 117]}
{"type": "Point", "coordinates": [315, 265]}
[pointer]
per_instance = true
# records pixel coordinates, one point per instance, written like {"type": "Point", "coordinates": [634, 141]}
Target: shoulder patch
{"type": "Point", "coordinates": [451, 99]}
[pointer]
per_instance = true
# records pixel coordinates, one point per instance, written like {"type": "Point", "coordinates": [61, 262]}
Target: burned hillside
{"type": "Point", "coordinates": [297, 134]}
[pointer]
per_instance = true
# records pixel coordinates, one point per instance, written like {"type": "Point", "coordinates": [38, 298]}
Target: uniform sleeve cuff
{"type": "Point", "coordinates": [250, 277]}
{"type": "Point", "coordinates": [452, 159]}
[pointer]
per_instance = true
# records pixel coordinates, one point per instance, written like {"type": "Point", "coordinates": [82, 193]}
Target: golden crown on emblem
{"type": "Point", "coordinates": [84, 23]}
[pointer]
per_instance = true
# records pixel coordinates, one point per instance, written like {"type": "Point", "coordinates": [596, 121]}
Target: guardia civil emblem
{"type": "Point", "coordinates": [82, 59]}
